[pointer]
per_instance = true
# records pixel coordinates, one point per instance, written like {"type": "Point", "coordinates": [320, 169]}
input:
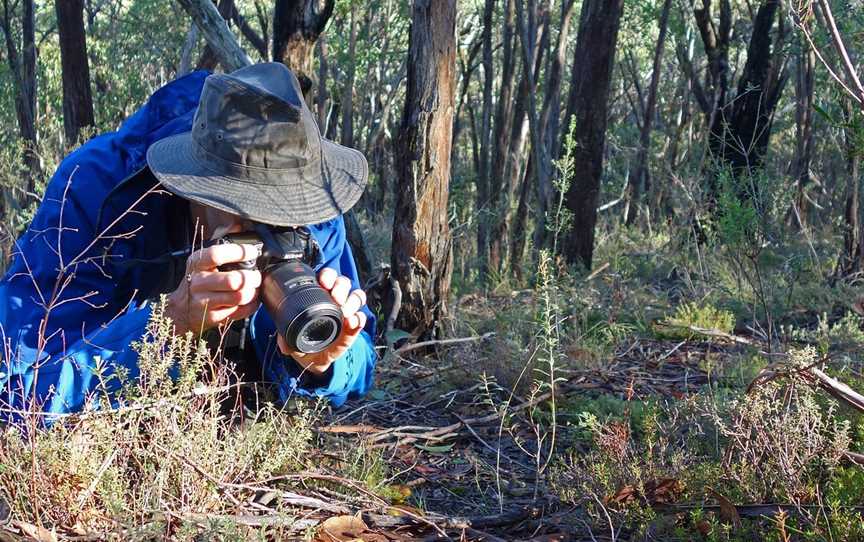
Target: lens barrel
{"type": "Point", "coordinates": [304, 313]}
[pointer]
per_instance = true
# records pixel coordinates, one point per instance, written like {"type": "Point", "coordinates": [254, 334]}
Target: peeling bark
{"type": "Point", "coordinates": [421, 257]}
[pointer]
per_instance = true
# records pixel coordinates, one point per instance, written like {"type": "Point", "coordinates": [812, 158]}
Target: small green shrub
{"type": "Point", "coordinates": [689, 318]}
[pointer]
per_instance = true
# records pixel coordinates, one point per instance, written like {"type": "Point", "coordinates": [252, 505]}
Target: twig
{"type": "Point", "coordinates": [422, 344]}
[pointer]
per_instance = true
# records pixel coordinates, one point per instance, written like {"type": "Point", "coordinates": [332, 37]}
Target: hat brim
{"type": "Point", "coordinates": [300, 200]}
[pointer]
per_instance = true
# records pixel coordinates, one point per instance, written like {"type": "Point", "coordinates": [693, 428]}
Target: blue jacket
{"type": "Point", "coordinates": [73, 299]}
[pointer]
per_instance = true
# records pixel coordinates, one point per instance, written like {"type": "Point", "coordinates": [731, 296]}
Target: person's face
{"type": "Point", "coordinates": [210, 223]}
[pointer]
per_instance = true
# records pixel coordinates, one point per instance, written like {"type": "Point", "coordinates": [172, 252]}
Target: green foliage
{"type": "Point", "coordinates": [846, 333]}
{"type": "Point", "coordinates": [690, 318]}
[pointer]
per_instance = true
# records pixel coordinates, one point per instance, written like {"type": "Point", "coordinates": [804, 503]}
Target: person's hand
{"type": "Point", "coordinates": [207, 297]}
{"type": "Point", "coordinates": [353, 320]}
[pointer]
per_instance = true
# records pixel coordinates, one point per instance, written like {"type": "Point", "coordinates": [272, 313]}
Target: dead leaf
{"type": "Point", "coordinates": [728, 512]}
{"type": "Point", "coordinates": [623, 496]}
{"type": "Point", "coordinates": [341, 529]}
{"type": "Point", "coordinates": [38, 533]}
{"type": "Point", "coordinates": [664, 490]}
{"type": "Point", "coordinates": [661, 491]}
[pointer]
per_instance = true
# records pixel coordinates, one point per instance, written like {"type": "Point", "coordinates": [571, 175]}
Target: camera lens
{"type": "Point", "coordinates": [318, 331]}
{"type": "Point", "coordinates": [305, 315]}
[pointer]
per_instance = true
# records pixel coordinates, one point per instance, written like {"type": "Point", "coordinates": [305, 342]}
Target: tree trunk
{"type": "Point", "coordinates": [209, 58]}
{"type": "Point", "coordinates": [499, 192]}
{"type": "Point", "coordinates": [804, 80]}
{"type": "Point", "coordinates": [421, 256]}
{"type": "Point", "coordinates": [740, 127]}
{"type": "Point", "coordinates": [745, 141]}
{"type": "Point", "coordinates": [531, 54]}
{"type": "Point", "coordinates": [587, 104]}
{"type": "Point", "coordinates": [483, 204]}
{"type": "Point", "coordinates": [322, 95]}
{"type": "Point", "coordinates": [348, 88]}
{"type": "Point", "coordinates": [852, 259]}
{"type": "Point", "coordinates": [24, 82]}
{"type": "Point", "coordinates": [640, 179]}
{"type": "Point", "coordinates": [296, 26]}
{"type": "Point", "coordinates": [520, 221]}
{"type": "Point", "coordinates": [77, 100]}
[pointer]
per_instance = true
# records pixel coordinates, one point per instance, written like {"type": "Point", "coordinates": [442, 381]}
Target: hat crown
{"type": "Point", "coordinates": [256, 119]}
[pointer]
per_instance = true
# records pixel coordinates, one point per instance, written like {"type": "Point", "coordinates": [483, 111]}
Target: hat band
{"type": "Point", "coordinates": [254, 174]}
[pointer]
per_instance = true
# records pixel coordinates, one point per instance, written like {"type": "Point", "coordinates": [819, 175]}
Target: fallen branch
{"type": "Point", "coordinates": [442, 342]}
{"type": "Point", "coordinates": [708, 332]}
{"type": "Point", "coordinates": [838, 390]}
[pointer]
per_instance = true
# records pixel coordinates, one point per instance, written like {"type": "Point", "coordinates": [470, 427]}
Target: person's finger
{"type": "Point", "coordinates": [208, 259]}
{"type": "Point", "coordinates": [245, 311]}
{"type": "Point", "coordinates": [227, 281]}
{"type": "Point", "coordinates": [356, 299]}
{"type": "Point", "coordinates": [218, 300]}
{"type": "Point", "coordinates": [283, 346]}
{"type": "Point", "coordinates": [327, 278]}
{"type": "Point", "coordinates": [340, 290]}
{"type": "Point", "coordinates": [238, 312]}
{"type": "Point", "coordinates": [356, 321]}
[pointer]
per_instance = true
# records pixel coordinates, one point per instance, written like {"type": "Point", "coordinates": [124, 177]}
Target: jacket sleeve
{"type": "Point", "coordinates": [351, 375]}
{"type": "Point", "coordinates": [65, 326]}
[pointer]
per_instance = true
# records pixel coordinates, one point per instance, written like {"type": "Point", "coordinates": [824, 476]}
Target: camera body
{"type": "Point", "coordinates": [304, 313]}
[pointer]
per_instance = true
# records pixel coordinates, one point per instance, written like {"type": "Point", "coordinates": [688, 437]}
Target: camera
{"type": "Point", "coordinates": [304, 313]}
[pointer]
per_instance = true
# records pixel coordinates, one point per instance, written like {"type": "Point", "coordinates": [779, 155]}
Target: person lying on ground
{"type": "Point", "coordinates": [128, 217]}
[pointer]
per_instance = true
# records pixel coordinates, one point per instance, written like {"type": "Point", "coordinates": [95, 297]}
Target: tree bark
{"type": "Point", "coordinates": [296, 26]}
{"type": "Point", "coordinates": [804, 82]}
{"type": "Point", "coordinates": [499, 193]}
{"type": "Point", "coordinates": [215, 30]}
{"type": "Point", "coordinates": [852, 259]}
{"type": "Point", "coordinates": [322, 95]}
{"type": "Point", "coordinates": [483, 205]}
{"type": "Point", "coordinates": [740, 127]}
{"type": "Point", "coordinates": [258, 42]}
{"type": "Point", "coordinates": [421, 256]}
{"type": "Point", "coordinates": [587, 104]}
{"type": "Point", "coordinates": [531, 54]}
{"type": "Point", "coordinates": [209, 59]}
{"type": "Point", "coordinates": [745, 140]}
{"type": "Point", "coordinates": [348, 88]}
{"type": "Point", "coordinates": [640, 179]}
{"type": "Point", "coordinates": [77, 98]}
{"type": "Point", "coordinates": [550, 127]}
{"type": "Point", "coordinates": [24, 82]}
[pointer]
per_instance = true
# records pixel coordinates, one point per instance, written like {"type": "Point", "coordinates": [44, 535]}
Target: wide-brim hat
{"type": "Point", "coordinates": [255, 150]}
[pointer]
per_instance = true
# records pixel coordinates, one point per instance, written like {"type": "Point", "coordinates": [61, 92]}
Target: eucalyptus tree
{"type": "Point", "coordinates": [421, 251]}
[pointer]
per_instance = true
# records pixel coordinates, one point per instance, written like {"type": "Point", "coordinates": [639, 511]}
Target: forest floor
{"type": "Point", "coordinates": [636, 403]}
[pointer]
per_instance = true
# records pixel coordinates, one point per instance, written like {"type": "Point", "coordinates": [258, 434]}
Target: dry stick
{"type": "Point", "coordinates": [709, 332]}
{"type": "Point", "coordinates": [415, 346]}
